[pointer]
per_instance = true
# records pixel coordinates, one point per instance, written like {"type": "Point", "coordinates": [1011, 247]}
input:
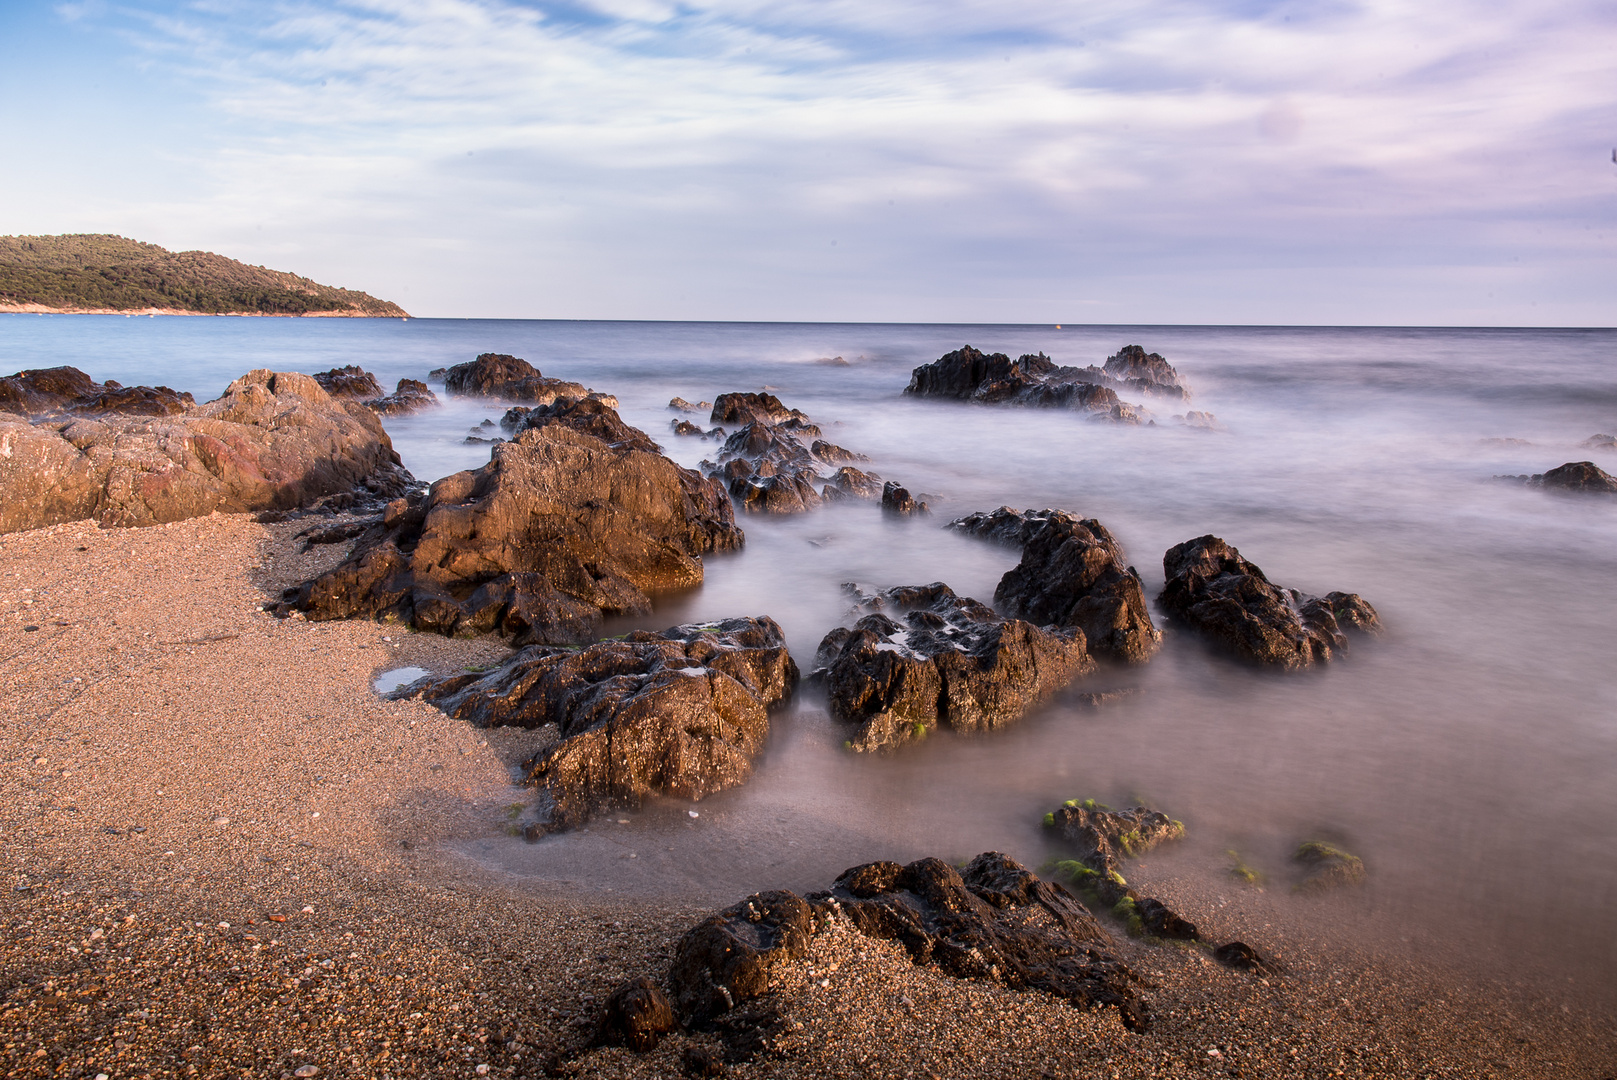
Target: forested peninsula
{"type": "Point", "coordinates": [98, 272]}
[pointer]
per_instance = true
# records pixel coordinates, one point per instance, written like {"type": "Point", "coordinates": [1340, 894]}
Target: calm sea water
{"type": "Point", "coordinates": [1470, 754]}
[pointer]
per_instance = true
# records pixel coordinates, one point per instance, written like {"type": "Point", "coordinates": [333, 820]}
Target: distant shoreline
{"type": "Point", "coordinates": [41, 309]}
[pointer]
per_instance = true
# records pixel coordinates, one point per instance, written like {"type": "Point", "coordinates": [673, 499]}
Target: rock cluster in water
{"type": "Point", "coordinates": [1072, 574]}
{"type": "Point", "coordinates": [943, 661]}
{"type": "Point", "coordinates": [575, 518]}
{"type": "Point", "coordinates": [146, 455]}
{"type": "Point", "coordinates": [1576, 477]}
{"type": "Point", "coordinates": [679, 713]}
{"type": "Point", "coordinates": [968, 374]}
{"type": "Point", "coordinates": [505, 378]}
{"type": "Point", "coordinates": [1211, 589]}
{"type": "Point", "coordinates": [351, 381]}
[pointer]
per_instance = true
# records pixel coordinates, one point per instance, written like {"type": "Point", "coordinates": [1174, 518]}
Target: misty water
{"type": "Point", "coordinates": [1469, 754]}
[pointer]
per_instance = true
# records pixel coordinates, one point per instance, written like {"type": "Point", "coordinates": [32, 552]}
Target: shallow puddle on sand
{"type": "Point", "coordinates": [389, 681]}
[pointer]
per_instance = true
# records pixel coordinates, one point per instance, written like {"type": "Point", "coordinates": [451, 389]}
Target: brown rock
{"type": "Point", "coordinates": [1583, 477]}
{"type": "Point", "coordinates": [508, 378]}
{"type": "Point", "coordinates": [410, 396]}
{"type": "Point", "coordinates": [727, 958]}
{"type": "Point", "coordinates": [350, 381]}
{"type": "Point", "coordinates": [638, 1015]}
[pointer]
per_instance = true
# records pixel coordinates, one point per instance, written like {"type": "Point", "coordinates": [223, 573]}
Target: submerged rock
{"type": "Point", "coordinates": [1101, 838]}
{"type": "Point", "coordinates": [952, 662]}
{"type": "Point", "coordinates": [684, 406]}
{"type": "Point", "coordinates": [508, 378]}
{"type": "Point", "coordinates": [679, 713]}
{"type": "Point", "coordinates": [1327, 867]}
{"type": "Point", "coordinates": [1227, 599]}
{"type": "Point", "coordinates": [576, 517]}
{"type": "Point", "coordinates": [1072, 574]}
{"type": "Point", "coordinates": [1034, 380]}
{"type": "Point", "coordinates": [273, 441]}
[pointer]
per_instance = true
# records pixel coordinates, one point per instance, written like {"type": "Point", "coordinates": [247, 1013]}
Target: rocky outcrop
{"type": "Point", "coordinates": [1072, 574]}
{"type": "Point", "coordinates": [1600, 442]}
{"type": "Point", "coordinates": [897, 501]}
{"type": "Point", "coordinates": [740, 408]}
{"type": "Point", "coordinates": [951, 662]}
{"type": "Point", "coordinates": [1228, 600]}
{"type": "Point", "coordinates": [408, 396]}
{"type": "Point", "coordinates": [851, 483]}
{"type": "Point", "coordinates": [679, 404]}
{"type": "Point", "coordinates": [992, 921]}
{"type": "Point", "coordinates": [681, 713]}
{"type": "Point", "coordinates": [1145, 372]}
{"type": "Point", "coordinates": [43, 392]}
{"type": "Point", "coordinates": [351, 381]}
{"type": "Point", "coordinates": [273, 441]}
{"type": "Point", "coordinates": [574, 518]}
{"type": "Point", "coordinates": [1580, 477]}
{"type": "Point", "coordinates": [1034, 380]}
{"type": "Point", "coordinates": [506, 378]}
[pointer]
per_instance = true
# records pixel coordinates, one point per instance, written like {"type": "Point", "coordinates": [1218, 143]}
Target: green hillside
{"type": "Point", "coordinates": [91, 271]}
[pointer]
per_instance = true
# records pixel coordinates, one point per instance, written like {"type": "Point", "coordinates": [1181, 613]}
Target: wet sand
{"type": "Point", "coordinates": [225, 855]}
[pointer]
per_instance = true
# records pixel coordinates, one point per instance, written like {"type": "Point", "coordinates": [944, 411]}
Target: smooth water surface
{"type": "Point", "coordinates": [1469, 754]}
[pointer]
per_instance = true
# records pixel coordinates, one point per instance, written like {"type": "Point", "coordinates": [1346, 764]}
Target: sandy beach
{"type": "Point", "coordinates": [225, 855]}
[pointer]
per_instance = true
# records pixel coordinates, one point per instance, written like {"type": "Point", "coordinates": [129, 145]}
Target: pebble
{"type": "Point", "coordinates": [307, 1070]}
{"type": "Point", "coordinates": [482, 1070]}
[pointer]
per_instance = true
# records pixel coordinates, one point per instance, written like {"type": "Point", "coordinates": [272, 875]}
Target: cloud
{"type": "Point", "coordinates": [732, 139]}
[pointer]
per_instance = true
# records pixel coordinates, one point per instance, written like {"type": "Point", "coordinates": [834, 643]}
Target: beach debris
{"type": "Point", "coordinates": [938, 660]}
{"type": "Point", "coordinates": [1072, 574]}
{"type": "Point", "coordinates": [1213, 590]}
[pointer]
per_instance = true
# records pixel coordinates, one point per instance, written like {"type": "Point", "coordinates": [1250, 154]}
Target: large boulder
{"type": "Point", "coordinates": [680, 713]}
{"type": "Point", "coordinates": [349, 381]}
{"type": "Point", "coordinates": [1581, 477]}
{"type": "Point", "coordinates": [1211, 589]}
{"type": "Point", "coordinates": [745, 408]}
{"type": "Point", "coordinates": [1146, 372]}
{"type": "Point", "coordinates": [564, 525]}
{"type": "Point", "coordinates": [951, 662]}
{"type": "Point", "coordinates": [352, 381]}
{"type": "Point", "coordinates": [1072, 574]}
{"type": "Point", "coordinates": [728, 958]}
{"type": "Point", "coordinates": [44, 392]}
{"type": "Point", "coordinates": [506, 378]}
{"type": "Point", "coordinates": [1032, 380]}
{"type": "Point", "coordinates": [273, 441]}
{"type": "Point", "coordinates": [408, 396]}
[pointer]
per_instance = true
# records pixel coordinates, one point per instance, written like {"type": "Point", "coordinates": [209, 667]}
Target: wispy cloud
{"type": "Point", "coordinates": [1061, 149]}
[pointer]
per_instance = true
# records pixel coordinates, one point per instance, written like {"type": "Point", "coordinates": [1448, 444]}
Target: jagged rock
{"type": "Point", "coordinates": [43, 392]}
{"type": "Point", "coordinates": [682, 405]}
{"type": "Point", "coordinates": [849, 482]}
{"type": "Point", "coordinates": [1598, 442]}
{"type": "Point", "coordinates": [638, 1014]}
{"type": "Point", "coordinates": [1101, 837]}
{"type": "Point", "coordinates": [409, 396]}
{"type": "Point", "coordinates": [1214, 591]}
{"type": "Point", "coordinates": [685, 427]}
{"type": "Point", "coordinates": [1147, 372]}
{"type": "Point", "coordinates": [1072, 574]}
{"type": "Point", "coordinates": [577, 516]}
{"type": "Point", "coordinates": [727, 958]}
{"type": "Point", "coordinates": [1327, 867]}
{"type": "Point", "coordinates": [968, 374]}
{"type": "Point", "coordinates": [994, 920]}
{"type": "Point", "coordinates": [273, 441]}
{"type": "Point", "coordinates": [508, 378]}
{"type": "Point", "coordinates": [742, 408]}
{"type": "Point", "coordinates": [897, 500]}
{"type": "Point", "coordinates": [952, 662]}
{"type": "Point", "coordinates": [832, 454]}
{"type": "Point", "coordinates": [779, 493]}
{"type": "Point", "coordinates": [679, 713]}
{"type": "Point", "coordinates": [351, 381]}
{"type": "Point", "coordinates": [1583, 477]}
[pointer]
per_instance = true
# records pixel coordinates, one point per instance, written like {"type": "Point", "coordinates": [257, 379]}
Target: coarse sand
{"type": "Point", "coordinates": [225, 855]}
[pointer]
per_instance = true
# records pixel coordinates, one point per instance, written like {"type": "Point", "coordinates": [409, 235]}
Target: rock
{"type": "Point", "coordinates": [1599, 442]}
{"type": "Point", "coordinates": [1327, 867]}
{"type": "Point", "coordinates": [508, 378]}
{"type": "Point", "coordinates": [1202, 421]}
{"type": "Point", "coordinates": [1033, 380]}
{"type": "Point", "coordinates": [1241, 956]}
{"type": "Point", "coordinates": [766, 462]}
{"type": "Point", "coordinates": [1072, 574]}
{"type": "Point", "coordinates": [832, 454]}
{"type": "Point", "coordinates": [849, 482]}
{"type": "Point", "coordinates": [727, 958]}
{"type": "Point", "coordinates": [951, 663]}
{"type": "Point", "coordinates": [1214, 591]}
{"type": "Point", "coordinates": [409, 396]}
{"type": "Point", "coordinates": [682, 405]}
{"type": "Point", "coordinates": [50, 391]}
{"type": "Point", "coordinates": [896, 500]}
{"type": "Point", "coordinates": [351, 381]}
{"type": "Point", "coordinates": [681, 713]}
{"type": "Point", "coordinates": [740, 408]}
{"type": "Point", "coordinates": [1148, 372]}
{"type": "Point", "coordinates": [1101, 838]}
{"type": "Point", "coordinates": [994, 920]}
{"type": "Point", "coordinates": [685, 427]}
{"type": "Point", "coordinates": [273, 441]}
{"type": "Point", "coordinates": [638, 1015]}
{"type": "Point", "coordinates": [699, 1060]}
{"type": "Point", "coordinates": [576, 517]}
{"type": "Point", "coordinates": [1583, 477]}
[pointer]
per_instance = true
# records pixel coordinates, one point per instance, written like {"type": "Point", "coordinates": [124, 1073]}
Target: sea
{"type": "Point", "coordinates": [1468, 754]}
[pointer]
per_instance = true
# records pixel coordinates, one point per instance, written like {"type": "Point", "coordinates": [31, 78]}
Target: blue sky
{"type": "Point", "coordinates": [1157, 162]}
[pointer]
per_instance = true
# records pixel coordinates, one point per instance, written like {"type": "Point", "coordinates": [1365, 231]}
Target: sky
{"type": "Point", "coordinates": [1156, 161]}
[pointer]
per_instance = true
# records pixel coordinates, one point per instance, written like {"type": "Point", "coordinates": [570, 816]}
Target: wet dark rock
{"type": "Point", "coordinates": [1101, 838]}
{"type": "Point", "coordinates": [1583, 477]}
{"type": "Point", "coordinates": [1147, 372]}
{"type": "Point", "coordinates": [1327, 867]}
{"type": "Point", "coordinates": [1241, 956]}
{"type": "Point", "coordinates": [1032, 380]}
{"type": "Point", "coordinates": [409, 396]}
{"type": "Point", "coordinates": [1158, 920]}
{"type": "Point", "coordinates": [778, 493]}
{"type": "Point", "coordinates": [575, 518]}
{"type": "Point", "coordinates": [699, 1060]}
{"type": "Point", "coordinates": [951, 662]}
{"type": "Point", "coordinates": [1227, 599]}
{"type": "Point", "coordinates": [1072, 574]}
{"type": "Point", "coordinates": [351, 381]}
{"type": "Point", "coordinates": [685, 427]}
{"type": "Point", "coordinates": [851, 483]}
{"type": "Point", "coordinates": [994, 921]}
{"type": "Point", "coordinates": [593, 414]}
{"type": "Point", "coordinates": [766, 463]}
{"type": "Point", "coordinates": [897, 500]}
{"type": "Point", "coordinates": [832, 454]}
{"type": "Point", "coordinates": [684, 406]}
{"type": "Point", "coordinates": [727, 958]}
{"type": "Point", "coordinates": [43, 392]}
{"type": "Point", "coordinates": [508, 378]}
{"type": "Point", "coordinates": [272, 441]}
{"type": "Point", "coordinates": [746, 408]}
{"type": "Point", "coordinates": [638, 1015]}
{"type": "Point", "coordinates": [679, 713]}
